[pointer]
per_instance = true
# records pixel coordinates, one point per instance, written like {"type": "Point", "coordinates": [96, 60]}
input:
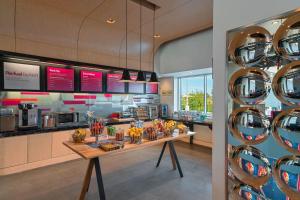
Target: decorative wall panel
{"type": "Point", "coordinates": [263, 134]}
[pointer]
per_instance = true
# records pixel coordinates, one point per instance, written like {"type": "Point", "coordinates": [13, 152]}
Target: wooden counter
{"type": "Point", "coordinates": [26, 152]}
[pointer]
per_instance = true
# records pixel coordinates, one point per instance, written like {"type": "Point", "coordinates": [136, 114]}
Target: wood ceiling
{"type": "Point", "coordinates": [52, 28]}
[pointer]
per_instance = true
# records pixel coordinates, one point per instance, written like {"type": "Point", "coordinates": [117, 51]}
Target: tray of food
{"type": "Point", "coordinates": [111, 145]}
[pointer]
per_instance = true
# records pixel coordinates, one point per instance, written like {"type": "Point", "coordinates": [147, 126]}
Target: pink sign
{"type": "Point", "coordinates": [91, 81]}
{"type": "Point", "coordinates": [113, 84]}
{"type": "Point", "coordinates": [135, 87]}
{"type": "Point", "coordinates": [60, 79]}
{"type": "Point", "coordinates": [73, 102]}
{"type": "Point", "coordinates": [79, 96]}
{"type": "Point", "coordinates": [151, 88]}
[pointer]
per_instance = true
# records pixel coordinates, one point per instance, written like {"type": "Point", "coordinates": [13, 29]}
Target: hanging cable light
{"type": "Point", "coordinates": [126, 74]}
{"type": "Point", "coordinates": [141, 76]}
{"type": "Point", "coordinates": [153, 78]}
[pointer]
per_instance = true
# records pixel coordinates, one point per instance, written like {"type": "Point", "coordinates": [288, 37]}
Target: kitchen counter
{"type": "Point", "coordinates": [40, 131]}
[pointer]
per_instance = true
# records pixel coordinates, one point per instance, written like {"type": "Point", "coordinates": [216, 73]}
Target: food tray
{"type": "Point", "coordinates": [111, 145]}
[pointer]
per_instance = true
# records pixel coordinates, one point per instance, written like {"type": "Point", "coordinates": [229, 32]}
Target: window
{"type": "Point", "coordinates": [195, 93]}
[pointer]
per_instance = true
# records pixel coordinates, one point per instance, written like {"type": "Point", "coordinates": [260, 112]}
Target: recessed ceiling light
{"type": "Point", "coordinates": [156, 36]}
{"type": "Point", "coordinates": [110, 21]}
{"type": "Point", "coordinates": [275, 22]}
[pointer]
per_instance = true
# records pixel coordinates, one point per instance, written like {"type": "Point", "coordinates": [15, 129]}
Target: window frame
{"type": "Point", "coordinates": [179, 89]}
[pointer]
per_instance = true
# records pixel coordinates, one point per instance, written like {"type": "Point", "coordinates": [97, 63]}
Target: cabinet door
{"type": "Point", "coordinates": [203, 133]}
{"type": "Point", "coordinates": [39, 147]}
{"type": "Point", "coordinates": [58, 148]}
{"type": "Point", "coordinates": [13, 151]}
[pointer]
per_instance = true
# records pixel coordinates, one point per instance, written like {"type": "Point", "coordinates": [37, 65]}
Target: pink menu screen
{"type": "Point", "coordinates": [151, 88]}
{"type": "Point", "coordinates": [60, 79]}
{"type": "Point", "coordinates": [91, 81]}
{"type": "Point", "coordinates": [135, 87]}
{"type": "Point", "coordinates": [113, 84]}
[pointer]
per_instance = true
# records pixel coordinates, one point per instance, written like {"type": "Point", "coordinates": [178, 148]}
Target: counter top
{"type": "Point", "coordinates": [39, 131]}
{"type": "Point", "coordinates": [203, 123]}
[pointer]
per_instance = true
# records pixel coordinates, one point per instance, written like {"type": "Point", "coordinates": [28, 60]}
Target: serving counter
{"type": "Point", "coordinates": [25, 150]}
{"type": "Point", "coordinates": [29, 150]}
{"type": "Point", "coordinates": [203, 131]}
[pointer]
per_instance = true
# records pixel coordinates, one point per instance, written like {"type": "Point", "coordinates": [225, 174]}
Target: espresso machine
{"type": "Point", "coordinates": [28, 116]}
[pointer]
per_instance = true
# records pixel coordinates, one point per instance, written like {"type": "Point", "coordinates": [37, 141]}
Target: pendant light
{"type": "Point", "coordinates": [153, 78]}
{"type": "Point", "coordinates": [141, 76]}
{"type": "Point", "coordinates": [126, 74]}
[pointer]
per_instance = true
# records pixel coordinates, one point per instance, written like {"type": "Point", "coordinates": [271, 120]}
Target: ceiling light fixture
{"type": "Point", "coordinates": [110, 21]}
{"type": "Point", "coordinates": [153, 78]}
{"type": "Point", "coordinates": [141, 75]}
{"type": "Point", "coordinates": [126, 75]}
{"type": "Point", "coordinates": [156, 35]}
{"type": "Point", "coordinates": [275, 22]}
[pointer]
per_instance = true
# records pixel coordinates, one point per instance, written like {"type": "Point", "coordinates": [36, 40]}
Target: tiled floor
{"type": "Point", "coordinates": [130, 176]}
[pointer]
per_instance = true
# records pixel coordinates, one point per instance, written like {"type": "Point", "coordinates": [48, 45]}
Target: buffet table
{"type": "Point", "coordinates": [92, 154]}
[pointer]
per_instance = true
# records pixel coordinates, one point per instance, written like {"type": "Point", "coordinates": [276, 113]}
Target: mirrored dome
{"type": "Point", "coordinates": [286, 130]}
{"type": "Point", "coordinates": [243, 191]}
{"type": "Point", "coordinates": [249, 125]}
{"type": "Point", "coordinates": [250, 46]}
{"type": "Point", "coordinates": [287, 38]}
{"type": "Point", "coordinates": [286, 84]}
{"type": "Point", "coordinates": [249, 86]}
{"type": "Point", "coordinates": [250, 165]}
{"type": "Point", "coordinates": [287, 175]}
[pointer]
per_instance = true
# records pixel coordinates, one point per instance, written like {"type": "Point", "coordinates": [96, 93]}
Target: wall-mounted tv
{"type": "Point", "coordinates": [91, 81]}
{"type": "Point", "coordinates": [17, 76]}
{"type": "Point", "coordinates": [113, 83]}
{"type": "Point", "coordinates": [60, 79]}
{"type": "Point", "coordinates": [136, 88]}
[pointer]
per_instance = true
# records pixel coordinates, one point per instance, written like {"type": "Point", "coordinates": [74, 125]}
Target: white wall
{"type": "Point", "coordinates": [231, 14]}
{"type": "Point", "coordinates": [187, 53]}
{"type": "Point", "coordinates": [167, 84]}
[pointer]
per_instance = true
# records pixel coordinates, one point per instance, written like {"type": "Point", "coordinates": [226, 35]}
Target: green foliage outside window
{"type": "Point", "coordinates": [196, 102]}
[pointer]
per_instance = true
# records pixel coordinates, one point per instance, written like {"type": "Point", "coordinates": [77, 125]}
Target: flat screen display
{"type": "Point", "coordinates": [18, 76]}
{"type": "Point", "coordinates": [135, 87]}
{"type": "Point", "coordinates": [113, 84]}
{"type": "Point", "coordinates": [91, 81]}
{"type": "Point", "coordinates": [151, 88]}
{"type": "Point", "coordinates": [60, 79]}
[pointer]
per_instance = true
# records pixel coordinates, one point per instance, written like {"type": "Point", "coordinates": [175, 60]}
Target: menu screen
{"type": "Point", "coordinates": [135, 87]}
{"type": "Point", "coordinates": [151, 88]}
{"type": "Point", "coordinates": [60, 79]}
{"type": "Point", "coordinates": [91, 81]}
{"type": "Point", "coordinates": [18, 76]}
{"type": "Point", "coordinates": [113, 84]}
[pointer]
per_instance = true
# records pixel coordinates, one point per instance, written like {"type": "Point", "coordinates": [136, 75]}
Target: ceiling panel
{"type": "Point", "coordinates": [55, 24]}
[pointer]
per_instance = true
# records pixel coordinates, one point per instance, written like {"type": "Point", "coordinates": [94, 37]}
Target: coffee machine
{"type": "Point", "coordinates": [28, 116]}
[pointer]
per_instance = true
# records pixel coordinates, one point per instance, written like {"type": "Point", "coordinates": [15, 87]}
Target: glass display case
{"type": "Point", "coordinates": [263, 110]}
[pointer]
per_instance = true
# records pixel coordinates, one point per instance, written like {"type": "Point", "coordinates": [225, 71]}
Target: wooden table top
{"type": "Point", "coordinates": [88, 152]}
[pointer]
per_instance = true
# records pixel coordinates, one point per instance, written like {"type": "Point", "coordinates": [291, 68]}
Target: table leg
{"type": "Point", "coordinates": [176, 158]}
{"type": "Point", "coordinates": [172, 158]}
{"type": "Point", "coordinates": [99, 178]}
{"type": "Point", "coordinates": [87, 180]}
{"type": "Point", "coordinates": [191, 139]}
{"type": "Point", "coordinates": [161, 154]}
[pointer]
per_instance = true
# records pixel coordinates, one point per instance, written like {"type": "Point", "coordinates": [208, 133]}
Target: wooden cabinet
{"type": "Point", "coordinates": [203, 135]}
{"type": "Point", "coordinates": [39, 147]}
{"type": "Point", "coordinates": [58, 149]}
{"type": "Point", "coordinates": [13, 151]}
